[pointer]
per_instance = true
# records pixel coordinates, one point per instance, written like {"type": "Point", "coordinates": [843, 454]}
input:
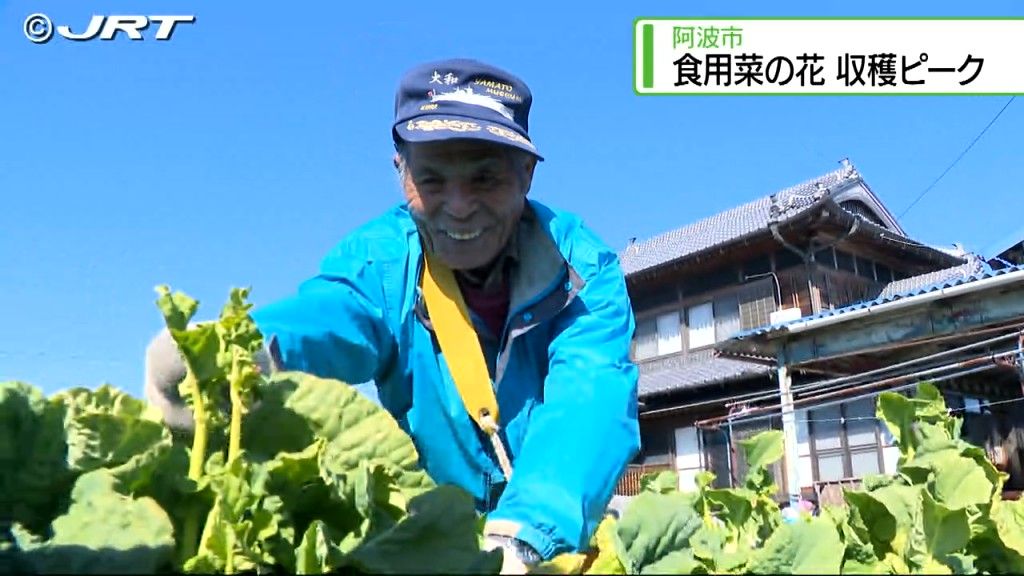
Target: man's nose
{"type": "Point", "coordinates": [460, 202]}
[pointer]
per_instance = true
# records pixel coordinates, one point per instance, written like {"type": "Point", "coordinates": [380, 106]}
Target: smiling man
{"type": "Point", "coordinates": [546, 299]}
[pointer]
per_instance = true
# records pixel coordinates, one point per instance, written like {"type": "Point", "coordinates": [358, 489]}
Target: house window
{"type": "Point", "coordinates": [727, 316]}
{"type": "Point", "coordinates": [757, 301]}
{"type": "Point", "coordinates": [655, 447]}
{"type": "Point", "coordinates": [688, 457]}
{"type": "Point", "coordinates": [845, 440]}
{"type": "Point", "coordinates": [658, 336]}
{"type": "Point", "coordinates": [670, 338]}
{"type": "Point", "coordinates": [700, 321]}
{"type": "Point", "coordinates": [646, 339]}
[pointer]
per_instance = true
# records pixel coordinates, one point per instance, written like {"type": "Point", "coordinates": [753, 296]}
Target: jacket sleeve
{"type": "Point", "coordinates": [580, 439]}
{"type": "Point", "coordinates": [335, 326]}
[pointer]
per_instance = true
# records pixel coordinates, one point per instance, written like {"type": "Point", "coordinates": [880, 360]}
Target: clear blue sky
{"type": "Point", "coordinates": [239, 152]}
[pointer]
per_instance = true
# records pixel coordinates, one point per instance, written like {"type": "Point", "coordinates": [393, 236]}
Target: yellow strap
{"type": "Point", "coordinates": [461, 349]}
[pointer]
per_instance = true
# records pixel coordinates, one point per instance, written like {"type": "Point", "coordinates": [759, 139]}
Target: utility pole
{"type": "Point", "coordinates": [790, 455]}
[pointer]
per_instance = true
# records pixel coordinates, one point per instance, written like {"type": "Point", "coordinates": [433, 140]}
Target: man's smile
{"type": "Point", "coordinates": [464, 234]}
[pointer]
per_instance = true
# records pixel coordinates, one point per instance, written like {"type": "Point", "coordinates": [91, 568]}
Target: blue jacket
{"type": "Point", "coordinates": [565, 384]}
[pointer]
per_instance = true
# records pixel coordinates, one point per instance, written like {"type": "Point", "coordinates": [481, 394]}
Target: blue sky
{"type": "Point", "coordinates": [239, 152]}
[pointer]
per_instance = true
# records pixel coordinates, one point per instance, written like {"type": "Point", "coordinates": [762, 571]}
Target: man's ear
{"type": "Point", "coordinates": [397, 160]}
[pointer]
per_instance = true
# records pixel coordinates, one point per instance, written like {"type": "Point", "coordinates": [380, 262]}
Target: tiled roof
{"type": "Point", "coordinates": [727, 226]}
{"type": "Point", "coordinates": [697, 374]}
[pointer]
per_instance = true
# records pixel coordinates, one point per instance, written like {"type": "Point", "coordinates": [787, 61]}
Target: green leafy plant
{"type": "Point", "coordinates": [942, 512]}
{"type": "Point", "coordinates": [284, 472]}
{"type": "Point", "coordinates": [290, 472]}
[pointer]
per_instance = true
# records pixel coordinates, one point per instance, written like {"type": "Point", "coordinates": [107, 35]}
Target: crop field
{"type": "Point", "coordinates": [293, 473]}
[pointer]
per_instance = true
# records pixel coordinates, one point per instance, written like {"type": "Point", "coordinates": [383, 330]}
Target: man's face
{"type": "Point", "coordinates": [466, 196]}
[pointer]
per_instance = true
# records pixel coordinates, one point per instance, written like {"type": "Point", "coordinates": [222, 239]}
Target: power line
{"type": "Point", "coordinates": [950, 167]}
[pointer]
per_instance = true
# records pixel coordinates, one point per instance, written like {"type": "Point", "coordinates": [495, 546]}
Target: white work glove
{"type": "Point", "coordinates": [518, 556]}
{"type": "Point", "coordinates": [165, 369]}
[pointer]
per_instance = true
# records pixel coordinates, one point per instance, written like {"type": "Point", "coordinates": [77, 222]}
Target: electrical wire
{"type": "Point", "coordinates": [821, 385]}
{"type": "Point", "coordinates": [776, 411]}
{"type": "Point", "coordinates": [950, 167]}
{"type": "Point", "coordinates": [948, 411]}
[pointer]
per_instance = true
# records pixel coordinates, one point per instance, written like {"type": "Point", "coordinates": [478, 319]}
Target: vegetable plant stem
{"type": "Point", "coordinates": [235, 434]}
{"type": "Point", "coordinates": [229, 561]}
{"type": "Point", "coordinates": [190, 530]}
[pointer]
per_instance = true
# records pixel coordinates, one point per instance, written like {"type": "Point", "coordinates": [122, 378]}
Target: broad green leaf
{"type": "Point", "coordinates": [106, 428]}
{"type": "Point", "coordinates": [709, 542]}
{"type": "Point", "coordinates": [655, 525]}
{"type": "Point", "coordinates": [902, 502]}
{"type": "Point", "coordinates": [317, 553]}
{"type": "Point", "coordinates": [996, 548]}
{"type": "Point", "coordinates": [959, 482]}
{"type": "Point", "coordinates": [242, 529]}
{"type": "Point", "coordinates": [915, 475]}
{"type": "Point", "coordinates": [438, 536]}
{"type": "Point", "coordinates": [1009, 521]}
{"type": "Point", "coordinates": [805, 547]}
{"type": "Point", "coordinates": [34, 478]}
{"type": "Point", "coordinates": [372, 489]}
{"type": "Point", "coordinates": [296, 479]}
{"type": "Point", "coordinates": [732, 562]}
{"type": "Point", "coordinates": [214, 546]}
{"type": "Point", "coordinates": [664, 482]}
{"type": "Point", "coordinates": [875, 515]}
{"type": "Point", "coordinates": [678, 562]}
{"type": "Point", "coordinates": [704, 479]}
{"type": "Point", "coordinates": [932, 433]}
{"type": "Point", "coordinates": [930, 404]}
{"type": "Point", "coordinates": [897, 412]}
{"type": "Point", "coordinates": [860, 555]}
{"type": "Point", "coordinates": [104, 532]}
{"type": "Point", "coordinates": [980, 457]}
{"type": "Point", "coordinates": [732, 506]}
{"type": "Point", "coordinates": [763, 449]}
{"type": "Point", "coordinates": [876, 481]}
{"type": "Point", "coordinates": [946, 529]}
{"type": "Point", "coordinates": [859, 567]}
{"type": "Point", "coordinates": [298, 407]}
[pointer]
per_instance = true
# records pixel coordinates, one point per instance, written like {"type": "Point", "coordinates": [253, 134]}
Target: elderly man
{"type": "Point", "coordinates": [549, 319]}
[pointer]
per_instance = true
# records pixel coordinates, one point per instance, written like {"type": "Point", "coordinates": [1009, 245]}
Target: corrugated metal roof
{"type": "Point", "coordinates": [909, 285]}
{"type": "Point", "coordinates": [973, 271]}
{"type": "Point", "coordinates": [697, 374]}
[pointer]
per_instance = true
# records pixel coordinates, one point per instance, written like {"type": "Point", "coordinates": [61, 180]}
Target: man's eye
{"type": "Point", "coordinates": [486, 178]}
{"type": "Point", "coordinates": [428, 181]}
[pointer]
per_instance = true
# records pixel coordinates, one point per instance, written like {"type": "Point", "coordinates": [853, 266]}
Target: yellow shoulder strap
{"type": "Point", "coordinates": [461, 348]}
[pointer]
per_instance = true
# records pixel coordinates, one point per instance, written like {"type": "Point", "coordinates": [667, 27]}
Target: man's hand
{"type": "Point", "coordinates": [517, 555]}
{"type": "Point", "coordinates": [165, 369]}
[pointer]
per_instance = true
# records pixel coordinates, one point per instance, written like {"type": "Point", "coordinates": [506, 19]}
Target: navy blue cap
{"type": "Point", "coordinates": [462, 98]}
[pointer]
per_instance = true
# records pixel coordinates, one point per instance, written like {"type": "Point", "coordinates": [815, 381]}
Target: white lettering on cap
{"type": "Point", "coordinates": [467, 96]}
